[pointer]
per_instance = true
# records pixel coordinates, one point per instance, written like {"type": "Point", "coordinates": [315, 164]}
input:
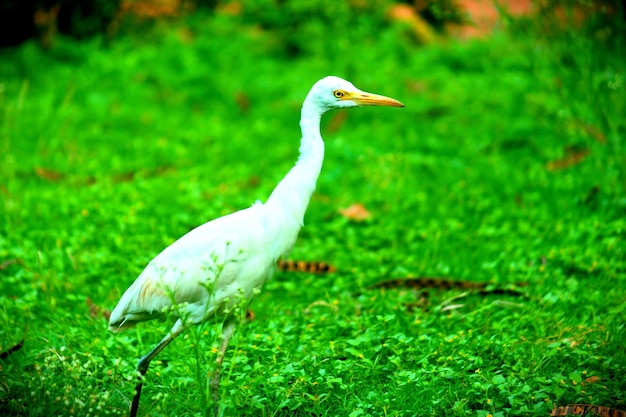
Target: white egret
{"type": "Point", "coordinates": [213, 269]}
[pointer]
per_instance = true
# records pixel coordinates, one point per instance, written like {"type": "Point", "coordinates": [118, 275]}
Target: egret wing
{"type": "Point", "coordinates": [209, 268]}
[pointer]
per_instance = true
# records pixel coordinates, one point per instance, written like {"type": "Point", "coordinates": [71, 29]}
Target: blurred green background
{"type": "Point", "coordinates": [124, 124]}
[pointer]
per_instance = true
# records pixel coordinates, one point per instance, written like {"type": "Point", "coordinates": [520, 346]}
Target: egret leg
{"type": "Point", "coordinates": [144, 362]}
{"type": "Point", "coordinates": [227, 331]}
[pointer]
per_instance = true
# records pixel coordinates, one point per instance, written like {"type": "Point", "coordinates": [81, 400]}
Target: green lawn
{"type": "Point", "coordinates": [507, 166]}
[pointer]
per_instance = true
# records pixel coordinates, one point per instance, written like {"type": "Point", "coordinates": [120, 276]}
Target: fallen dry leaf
{"type": "Point", "coordinates": [95, 310]}
{"type": "Point", "coordinates": [591, 380]}
{"type": "Point", "coordinates": [592, 131]}
{"type": "Point", "coordinates": [243, 101]}
{"type": "Point", "coordinates": [587, 410]}
{"type": "Point", "coordinates": [356, 212]}
{"type": "Point", "coordinates": [250, 315]}
{"type": "Point", "coordinates": [151, 9]}
{"type": "Point", "coordinates": [124, 176]}
{"type": "Point", "coordinates": [336, 120]}
{"type": "Point", "coordinates": [572, 157]}
{"type": "Point", "coordinates": [8, 263]}
{"type": "Point", "coordinates": [233, 8]}
{"type": "Point", "coordinates": [48, 174]}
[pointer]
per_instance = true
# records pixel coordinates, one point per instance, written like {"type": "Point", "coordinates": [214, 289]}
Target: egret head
{"type": "Point", "coordinates": [336, 93]}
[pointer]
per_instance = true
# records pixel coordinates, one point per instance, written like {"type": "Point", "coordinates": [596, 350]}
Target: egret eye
{"type": "Point", "coordinates": [338, 93]}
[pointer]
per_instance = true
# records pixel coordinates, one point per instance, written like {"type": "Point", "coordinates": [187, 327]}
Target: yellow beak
{"type": "Point", "coordinates": [363, 98]}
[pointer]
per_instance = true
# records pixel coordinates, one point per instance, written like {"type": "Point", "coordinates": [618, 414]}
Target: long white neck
{"type": "Point", "coordinates": [292, 195]}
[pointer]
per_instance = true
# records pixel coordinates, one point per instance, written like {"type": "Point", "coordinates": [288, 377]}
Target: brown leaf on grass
{"type": "Point", "coordinates": [8, 263]}
{"type": "Point", "coordinates": [591, 380]}
{"type": "Point", "coordinates": [587, 410]}
{"type": "Point", "coordinates": [129, 176]}
{"type": "Point", "coordinates": [336, 120]}
{"type": "Point", "coordinates": [312, 267]}
{"type": "Point", "coordinates": [595, 133]}
{"type": "Point", "coordinates": [54, 176]}
{"type": "Point", "coordinates": [250, 315]}
{"type": "Point", "coordinates": [95, 310]}
{"type": "Point", "coordinates": [243, 101]}
{"type": "Point", "coordinates": [416, 86]}
{"type": "Point", "coordinates": [356, 212]}
{"type": "Point", "coordinates": [231, 8]}
{"type": "Point", "coordinates": [572, 157]}
{"type": "Point", "coordinates": [48, 174]}
{"type": "Point", "coordinates": [151, 9]}
{"type": "Point", "coordinates": [253, 181]}
{"type": "Point", "coordinates": [590, 130]}
{"type": "Point", "coordinates": [124, 177]}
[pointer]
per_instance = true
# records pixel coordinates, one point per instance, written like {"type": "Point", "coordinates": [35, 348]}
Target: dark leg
{"type": "Point", "coordinates": [144, 362]}
{"type": "Point", "coordinates": [227, 331]}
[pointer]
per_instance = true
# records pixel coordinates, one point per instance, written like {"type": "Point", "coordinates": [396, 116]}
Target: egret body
{"type": "Point", "coordinates": [213, 269]}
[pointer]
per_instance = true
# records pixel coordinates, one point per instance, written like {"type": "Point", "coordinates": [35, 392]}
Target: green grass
{"type": "Point", "coordinates": [110, 153]}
